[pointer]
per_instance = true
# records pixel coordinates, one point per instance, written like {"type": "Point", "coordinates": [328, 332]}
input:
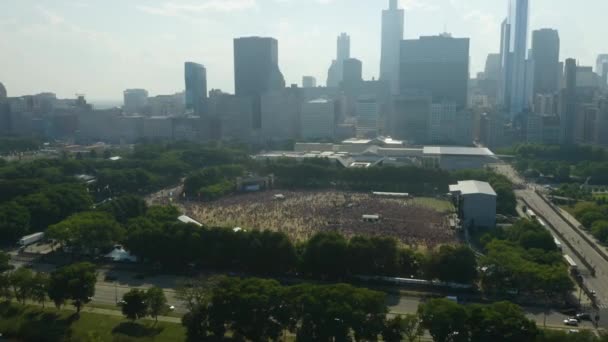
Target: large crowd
{"type": "Point", "coordinates": [301, 214]}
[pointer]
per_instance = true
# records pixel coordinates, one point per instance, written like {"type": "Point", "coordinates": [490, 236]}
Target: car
{"type": "Point", "coordinates": [571, 322]}
{"type": "Point", "coordinates": [573, 331]}
{"type": "Point", "coordinates": [121, 303]}
{"type": "Point", "coordinates": [171, 308]}
{"type": "Point", "coordinates": [583, 316]}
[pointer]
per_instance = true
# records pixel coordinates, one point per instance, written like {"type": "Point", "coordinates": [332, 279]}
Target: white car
{"type": "Point", "coordinates": [571, 322]}
{"type": "Point", "coordinates": [171, 308]}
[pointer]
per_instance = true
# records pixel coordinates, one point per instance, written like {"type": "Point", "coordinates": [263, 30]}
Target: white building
{"type": "Point", "coordinates": [476, 203]}
{"type": "Point", "coordinates": [368, 116]}
{"type": "Point", "coordinates": [317, 120]}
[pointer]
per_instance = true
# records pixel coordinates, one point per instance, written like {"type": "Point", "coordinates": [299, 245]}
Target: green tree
{"type": "Point", "coordinates": [14, 222]}
{"type": "Point", "coordinates": [88, 232]}
{"type": "Point", "coordinates": [22, 282]}
{"type": "Point", "coordinates": [134, 304]}
{"type": "Point", "coordinates": [196, 322]}
{"type": "Point", "coordinates": [600, 230]}
{"type": "Point", "coordinates": [40, 288]}
{"type": "Point", "coordinates": [403, 328]}
{"type": "Point", "coordinates": [326, 256]}
{"type": "Point", "coordinates": [453, 264]}
{"type": "Point", "coordinates": [125, 207]}
{"type": "Point", "coordinates": [445, 320]}
{"type": "Point", "coordinates": [5, 286]}
{"type": "Point", "coordinates": [501, 321]}
{"type": "Point", "coordinates": [5, 259]}
{"type": "Point", "coordinates": [75, 282]}
{"type": "Point", "coordinates": [157, 302]}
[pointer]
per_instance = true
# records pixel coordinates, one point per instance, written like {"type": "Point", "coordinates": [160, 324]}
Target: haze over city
{"type": "Point", "coordinates": [100, 48]}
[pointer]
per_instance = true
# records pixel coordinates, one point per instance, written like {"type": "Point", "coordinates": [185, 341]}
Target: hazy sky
{"type": "Point", "coordinates": [101, 47]}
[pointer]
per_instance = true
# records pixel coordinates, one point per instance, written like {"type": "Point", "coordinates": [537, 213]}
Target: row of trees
{"type": "Point", "coordinates": [212, 182]}
{"type": "Point", "coordinates": [523, 259]}
{"type": "Point", "coordinates": [594, 218]}
{"type": "Point", "coordinates": [75, 283]}
{"type": "Point", "coordinates": [562, 162]}
{"type": "Point", "coordinates": [325, 256]}
{"type": "Point", "coordinates": [261, 310]}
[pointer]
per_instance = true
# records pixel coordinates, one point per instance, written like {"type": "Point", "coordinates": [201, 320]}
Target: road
{"type": "Point", "coordinates": [585, 250]}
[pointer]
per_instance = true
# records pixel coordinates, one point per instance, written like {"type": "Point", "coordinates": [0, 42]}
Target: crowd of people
{"type": "Point", "coordinates": [303, 213]}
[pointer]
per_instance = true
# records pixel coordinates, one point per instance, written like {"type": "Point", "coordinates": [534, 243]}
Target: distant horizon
{"type": "Point", "coordinates": [69, 47]}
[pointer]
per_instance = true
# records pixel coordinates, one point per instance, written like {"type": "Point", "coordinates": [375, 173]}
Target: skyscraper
{"type": "Point", "coordinates": [392, 35]}
{"type": "Point", "coordinates": [196, 87]}
{"type": "Point", "coordinates": [352, 72]}
{"type": "Point", "coordinates": [256, 71]}
{"type": "Point", "coordinates": [514, 42]}
{"type": "Point", "coordinates": [436, 65]}
{"type": "Point", "coordinates": [602, 68]}
{"type": "Point", "coordinates": [545, 53]}
{"type": "Point", "coordinates": [568, 103]}
{"type": "Point", "coordinates": [335, 73]}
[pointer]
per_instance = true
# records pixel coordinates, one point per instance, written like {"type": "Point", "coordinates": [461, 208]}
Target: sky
{"type": "Point", "coordinates": [101, 47]}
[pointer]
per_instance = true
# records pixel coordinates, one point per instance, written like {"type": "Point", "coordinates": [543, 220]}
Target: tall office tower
{"type": "Point", "coordinates": [410, 118]}
{"type": "Point", "coordinates": [256, 71]}
{"type": "Point", "coordinates": [602, 68]}
{"type": "Point", "coordinates": [334, 75]}
{"type": "Point", "coordinates": [309, 82]}
{"type": "Point", "coordinates": [196, 87]}
{"type": "Point", "coordinates": [368, 117]}
{"type": "Point", "coordinates": [3, 93]}
{"type": "Point", "coordinates": [392, 35]}
{"type": "Point", "coordinates": [317, 119]}
{"type": "Point", "coordinates": [492, 68]}
{"type": "Point", "coordinates": [438, 65]}
{"type": "Point", "coordinates": [514, 44]}
{"type": "Point", "coordinates": [135, 101]}
{"type": "Point", "coordinates": [545, 54]}
{"type": "Point", "coordinates": [568, 103]}
{"type": "Point", "coordinates": [352, 72]}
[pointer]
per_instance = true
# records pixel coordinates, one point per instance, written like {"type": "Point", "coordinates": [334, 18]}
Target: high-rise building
{"type": "Point", "coordinates": [438, 65]}
{"type": "Point", "coordinates": [410, 118]}
{"type": "Point", "coordinates": [135, 101]}
{"type": "Point", "coordinates": [281, 114]}
{"type": "Point", "coordinates": [568, 104]}
{"type": "Point", "coordinates": [514, 45]}
{"type": "Point", "coordinates": [545, 53]}
{"type": "Point", "coordinates": [368, 117]}
{"type": "Point", "coordinates": [601, 68]}
{"type": "Point", "coordinates": [256, 71]}
{"type": "Point", "coordinates": [492, 68]}
{"type": "Point", "coordinates": [334, 75]}
{"type": "Point", "coordinates": [392, 35]}
{"type": "Point", "coordinates": [352, 72]}
{"type": "Point", "coordinates": [309, 82]}
{"type": "Point", "coordinates": [3, 94]}
{"type": "Point", "coordinates": [317, 120]}
{"type": "Point", "coordinates": [196, 87]}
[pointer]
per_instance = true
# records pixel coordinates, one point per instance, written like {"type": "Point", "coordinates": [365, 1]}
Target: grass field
{"type": "Point", "coordinates": [31, 323]}
{"type": "Point", "coordinates": [300, 214]}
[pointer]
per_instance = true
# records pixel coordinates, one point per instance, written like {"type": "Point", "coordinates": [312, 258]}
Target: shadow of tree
{"type": "Point", "coordinates": [136, 330]}
{"type": "Point", "coordinates": [46, 326]}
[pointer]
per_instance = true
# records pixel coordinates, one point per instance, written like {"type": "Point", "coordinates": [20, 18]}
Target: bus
{"type": "Point", "coordinates": [571, 264]}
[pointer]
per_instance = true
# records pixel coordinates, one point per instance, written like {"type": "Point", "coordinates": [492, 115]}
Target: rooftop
{"type": "Point", "coordinates": [473, 187]}
{"type": "Point", "coordinates": [458, 151]}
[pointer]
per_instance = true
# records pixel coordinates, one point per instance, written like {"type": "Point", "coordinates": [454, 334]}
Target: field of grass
{"type": "Point", "coordinates": [32, 323]}
{"type": "Point", "coordinates": [439, 205]}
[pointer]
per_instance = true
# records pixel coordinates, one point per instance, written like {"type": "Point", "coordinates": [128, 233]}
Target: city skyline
{"type": "Point", "coordinates": [37, 36]}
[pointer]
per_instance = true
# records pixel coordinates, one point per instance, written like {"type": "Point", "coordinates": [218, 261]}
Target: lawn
{"type": "Point", "coordinates": [32, 323]}
{"type": "Point", "coordinates": [439, 205]}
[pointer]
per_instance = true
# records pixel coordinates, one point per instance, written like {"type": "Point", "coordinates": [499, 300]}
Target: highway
{"type": "Point", "coordinates": [584, 249]}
